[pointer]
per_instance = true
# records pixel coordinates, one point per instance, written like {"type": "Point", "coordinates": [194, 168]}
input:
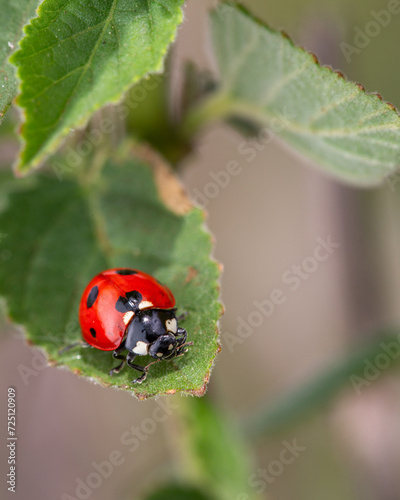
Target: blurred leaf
{"type": "Point", "coordinates": [264, 77]}
{"type": "Point", "coordinates": [352, 374]}
{"type": "Point", "coordinates": [77, 56]}
{"type": "Point", "coordinates": [15, 14]}
{"type": "Point", "coordinates": [178, 492]}
{"type": "Point", "coordinates": [154, 118]}
{"type": "Point", "coordinates": [132, 214]}
{"type": "Point", "coordinates": [197, 83]}
{"type": "Point", "coordinates": [150, 120]}
{"type": "Point", "coordinates": [217, 457]}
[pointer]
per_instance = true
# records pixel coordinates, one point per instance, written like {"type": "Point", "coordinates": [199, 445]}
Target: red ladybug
{"type": "Point", "coordinates": [125, 309]}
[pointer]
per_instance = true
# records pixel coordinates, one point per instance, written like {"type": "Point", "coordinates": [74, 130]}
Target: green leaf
{"type": "Point", "coordinates": [353, 374]}
{"type": "Point", "coordinates": [149, 119]}
{"type": "Point", "coordinates": [77, 56]}
{"type": "Point", "coordinates": [264, 77]}
{"type": "Point", "coordinates": [216, 455]}
{"type": "Point", "coordinates": [16, 13]}
{"type": "Point", "coordinates": [132, 214]}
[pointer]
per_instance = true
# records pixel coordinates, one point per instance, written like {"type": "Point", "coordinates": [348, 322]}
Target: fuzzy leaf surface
{"type": "Point", "coordinates": [61, 234]}
{"type": "Point", "coordinates": [77, 56]}
{"type": "Point", "coordinates": [264, 77]}
{"type": "Point", "coordinates": [16, 13]}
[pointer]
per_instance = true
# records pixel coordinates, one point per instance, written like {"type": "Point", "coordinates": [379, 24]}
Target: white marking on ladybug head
{"type": "Point", "coordinates": [160, 354]}
{"type": "Point", "coordinates": [170, 347]}
{"type": "Point", "coordinates": [145, 304]}
{"type": "Point", "coordinates": [127, 317]}
{"type": "Point", "coordinates": [171, 325]}
{"type": "Point", "coordinates": [141, 348]}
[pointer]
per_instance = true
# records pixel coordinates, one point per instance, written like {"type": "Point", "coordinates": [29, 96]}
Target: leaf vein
{"type": "Point", "coordinates": [333, 105]}
{"type": "Point", "coordinates": [59, 42]}
{"type": "Point", "coordinates": [278, 86]}
{"type": "Point", "coordinates": [87, 65]}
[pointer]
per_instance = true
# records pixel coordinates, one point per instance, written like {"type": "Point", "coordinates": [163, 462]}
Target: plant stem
{"type": "Point", "coordinates": [216, 107]}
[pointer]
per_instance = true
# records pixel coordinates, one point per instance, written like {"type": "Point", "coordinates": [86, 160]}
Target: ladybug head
{"type": "Point", "coordinates": [155, 332]}
{"type": "Point", "coordinates": [164, 347]}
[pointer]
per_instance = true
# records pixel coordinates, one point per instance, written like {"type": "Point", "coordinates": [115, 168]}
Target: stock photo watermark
{"type": "Point", "coordinates": [275, 468]}
{"type": "Point", "coordinates": [39, 362]}
{"type": "Point", "coordinates": [74, 156]}
{"type": "Point", "coordinates": [11, 439]}
{"type": "Point", "coordinates": [265, 476]}
{"type": "Point", "coordinates": [390, 351]}
{"type": "Point", "coordinates": [362, 37]}
{"type": "Point", "coordinates": [130, 441]}
{"type": "Point", "coordinates": [249, 149]}
{"type": "Point", "coordinates": [292, 279]}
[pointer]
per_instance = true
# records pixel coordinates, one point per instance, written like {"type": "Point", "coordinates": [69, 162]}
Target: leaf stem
{"type": "Point", "coordinates": [88, 176]}
{"type": "Point", "coordinates": [216, 107]}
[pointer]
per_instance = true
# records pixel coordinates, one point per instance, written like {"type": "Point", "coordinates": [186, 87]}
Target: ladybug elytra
{"type": "Point", "coordinates": [127, 310]}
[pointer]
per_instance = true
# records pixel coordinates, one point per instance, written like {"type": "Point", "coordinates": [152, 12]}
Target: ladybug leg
{"type": "Point", "coordinates": [117, 355]}
{"type": "Point", "coordinates": [80, 343]}
{"type": "Point", "coordinates": [181, 332]}
{"type": "Point", "coordinates": [182, 316]}
{"type": "Point", "coordinates": [118, 368]}
{"type": "Point", "coordinates": [182, 341]}
{"type": "Point", "coordinates": [180, 351]}
{"type": "Point", "coordinates": [130, 357]}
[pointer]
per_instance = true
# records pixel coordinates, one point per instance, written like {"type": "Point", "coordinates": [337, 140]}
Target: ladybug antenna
{"type": "Point", "coordinates": [180, 350]}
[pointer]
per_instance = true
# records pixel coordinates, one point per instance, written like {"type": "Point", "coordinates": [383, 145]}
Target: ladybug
{"type": "Point", "coordinates": [128, 310]}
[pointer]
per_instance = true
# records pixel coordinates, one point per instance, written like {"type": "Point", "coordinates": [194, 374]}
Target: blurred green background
{"type": "Point", "coordinates": [265, 221]}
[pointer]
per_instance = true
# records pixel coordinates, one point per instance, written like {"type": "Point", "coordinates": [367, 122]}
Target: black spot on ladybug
{"type": "Point", "coordinates": [94, 292]}
{"type": "Point", "coordinates": [93, 332]}
{"type": "Point", "coordinates": [130, 302]}
{"type": "Point", "coordinates": [126, 272]}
